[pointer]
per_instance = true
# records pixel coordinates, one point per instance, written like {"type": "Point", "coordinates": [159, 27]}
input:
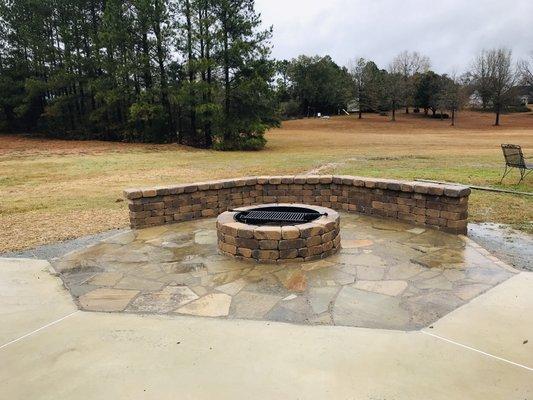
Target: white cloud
{"type": "Point", "coordinates": [450, 32]}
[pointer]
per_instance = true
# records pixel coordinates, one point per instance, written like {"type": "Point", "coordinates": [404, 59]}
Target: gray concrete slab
{"type": "Point", "coordinates": [29, 297]}
{"type": "Point", "coordinates": [96, 356]}
{"type": "Point", "coordinates": [499, 322]}
{"type": "Point", "coordinates": [124, 356]}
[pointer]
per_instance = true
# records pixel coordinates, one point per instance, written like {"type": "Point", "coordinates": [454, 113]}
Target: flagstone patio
{"type": "Point", "coordinates": [388, 275]}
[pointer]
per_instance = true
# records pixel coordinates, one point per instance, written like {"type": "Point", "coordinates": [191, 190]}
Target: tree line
{"type": "Point", "coordinates": [196, 72]}
{"type": "Point", "coordinates": [308, 85]}
{"type": "Point", "coordinates": [200, 73]}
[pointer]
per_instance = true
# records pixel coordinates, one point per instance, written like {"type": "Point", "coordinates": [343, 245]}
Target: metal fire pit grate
{"type": "Point", "coordinates": [277, 216]}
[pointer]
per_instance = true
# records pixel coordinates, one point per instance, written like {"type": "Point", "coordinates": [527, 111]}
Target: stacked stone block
{"type": "Point", "coordinates": [443, 207]}
{"type": "Point", "coordinates": [270, 244]}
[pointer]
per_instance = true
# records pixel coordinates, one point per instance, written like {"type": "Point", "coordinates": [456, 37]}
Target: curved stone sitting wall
{"type": "Point", "coordinates": [443, 207]}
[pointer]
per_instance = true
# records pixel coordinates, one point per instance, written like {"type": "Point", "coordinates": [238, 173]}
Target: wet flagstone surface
{"type": "Point", "coordinates": [388, 275]}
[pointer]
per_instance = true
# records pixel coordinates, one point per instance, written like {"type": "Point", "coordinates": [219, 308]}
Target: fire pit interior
{"type": "Point", "coordinates": [279, 233]}
{"type": "Point", "coordinates": [277, 215]}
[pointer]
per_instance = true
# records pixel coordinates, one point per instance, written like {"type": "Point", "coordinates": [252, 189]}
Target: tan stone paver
{"type": "Point", "coordinates": [104, 299]}
{"type": "Point", "coordinates": [106, 279]}
{"type": "Point", "coordinates": [369, 309]}
{"type": "Point", "coordinates": [232, 288]}
{"type": "Point", "coordinates": [390, 288]}
{"type": "Point", "coordinates": [164, 301]}
{"type": "Point", "coordinates": [133, 282]}
{"type": "Point", "coordinates": [211, 305]}
{"type": "Point", "coordinates": [293, 280]}
{"type": "Point", "coordinates": [253, 305]}
{"type": "Point", "coordinates": [355, 244]}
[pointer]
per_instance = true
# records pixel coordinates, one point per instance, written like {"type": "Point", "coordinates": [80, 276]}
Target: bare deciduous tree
{"type": "Point", "coordinates": [525, 68]}
{"type": "Point", "coordinates": [408, 64]}
{"type": "Point", "coordinates": [395, 91]}
{"type": "Point", "coordinates": [357, 70]}
{"type": "Point", "coordinates": [495, 77]}
{"type": "Point", "coordinates": [451, 96]}
{"type": "Point", "coordinates": [481, 80]}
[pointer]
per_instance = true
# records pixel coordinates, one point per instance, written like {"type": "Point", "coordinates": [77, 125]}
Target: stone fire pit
{"type": "Point", "coordinates": [283, 240]}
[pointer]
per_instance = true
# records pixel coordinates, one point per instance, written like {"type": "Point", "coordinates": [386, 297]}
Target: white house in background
{"type": "Point", "coordinates": [475, 100]}
{"type": "Point", "coordinates": [353, 106]}
{"type": "Point", "coordinates": [525, 95]}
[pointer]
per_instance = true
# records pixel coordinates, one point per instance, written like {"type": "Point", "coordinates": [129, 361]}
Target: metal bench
{"type": "Point", "coordinates": [514, 158]}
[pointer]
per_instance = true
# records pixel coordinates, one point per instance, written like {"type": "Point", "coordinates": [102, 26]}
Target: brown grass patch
{"type": "Point", "coordinates": [54, 190]}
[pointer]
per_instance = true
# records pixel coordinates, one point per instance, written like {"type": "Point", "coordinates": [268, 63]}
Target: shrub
{"type": "Point", "coordinates": [242, 143]}
{"type": "Point", "coordinates": [289, 109]}
{"type": "Point", "coordinates": [518, 108]}
{"type": "Point", "coordinates": [441, 116]}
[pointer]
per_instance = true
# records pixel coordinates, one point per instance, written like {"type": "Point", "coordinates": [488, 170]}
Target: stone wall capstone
{"type": "Point", "coordinates": [443, 207]}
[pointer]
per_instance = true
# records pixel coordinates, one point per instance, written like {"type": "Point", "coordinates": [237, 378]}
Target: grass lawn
{"type": "Point", "coordinates": [53, 190]}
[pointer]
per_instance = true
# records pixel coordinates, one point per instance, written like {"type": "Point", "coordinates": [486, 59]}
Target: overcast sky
{"type": "Point", "coordinates": [450, 32]}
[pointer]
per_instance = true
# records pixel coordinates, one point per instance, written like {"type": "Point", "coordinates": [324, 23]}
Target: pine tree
{"type": "Point", "coordinates": [247, 74]}
{"type": "Point", "coordinates": [195, 71]}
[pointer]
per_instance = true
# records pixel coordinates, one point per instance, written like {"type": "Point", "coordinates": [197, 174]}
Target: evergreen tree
{"type": "Point", "coordinates": [427, 88]}
{"type": "Point", "coordinates": [318, 84]}
{"type": "Point", "coordinates": [247, 74]}
{"type": "Point", "coordinates": [368, 86]}
{"type": "Point", "coordinates": [194, 71]}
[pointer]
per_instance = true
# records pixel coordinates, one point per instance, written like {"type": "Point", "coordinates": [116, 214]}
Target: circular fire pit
{"type": "Point", "coordinates": [279, 232]}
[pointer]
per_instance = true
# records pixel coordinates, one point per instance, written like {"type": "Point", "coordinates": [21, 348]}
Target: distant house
{"type": "Point", "coordinates": [353, 106]}
{"type": "Point", "coordinates": [525, 94]}
{"type": "Point", "coordinates": [475, 101]}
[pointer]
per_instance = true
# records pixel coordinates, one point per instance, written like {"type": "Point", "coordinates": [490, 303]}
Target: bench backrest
{"type": "Point", "coordinates": [513, 155]}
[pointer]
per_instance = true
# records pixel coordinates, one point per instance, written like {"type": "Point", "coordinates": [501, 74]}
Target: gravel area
{"type": "Point", "coordinates": [512, 246]}
{"type": "Point", "coordinates": [55, 250]}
